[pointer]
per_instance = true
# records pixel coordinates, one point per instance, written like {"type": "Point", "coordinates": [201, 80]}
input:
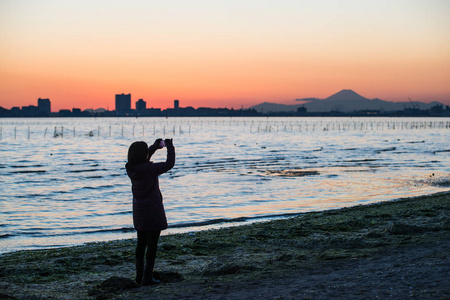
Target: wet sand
{"type": "Point", "coordinates": [398, 249]}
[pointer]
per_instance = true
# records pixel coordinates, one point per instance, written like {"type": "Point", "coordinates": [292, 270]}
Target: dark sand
{"type": "Point", "coordinates": [392, 250]}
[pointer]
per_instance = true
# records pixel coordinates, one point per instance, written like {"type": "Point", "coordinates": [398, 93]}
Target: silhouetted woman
{"type": "Point", "coordinates": [149, 217]}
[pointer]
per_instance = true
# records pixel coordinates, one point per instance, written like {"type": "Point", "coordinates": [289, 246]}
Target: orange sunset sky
{"type": "Point", "coordinates": [221, 53]}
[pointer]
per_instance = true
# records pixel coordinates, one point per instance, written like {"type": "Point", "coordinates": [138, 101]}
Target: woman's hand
{"type": "Point", "coordinates": [169, 143]}
{"type": "Point", "coordinates": [157, 144]}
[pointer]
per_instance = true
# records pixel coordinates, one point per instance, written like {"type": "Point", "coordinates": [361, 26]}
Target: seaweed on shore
{"type": "Point", "coordinates": [250, 251]}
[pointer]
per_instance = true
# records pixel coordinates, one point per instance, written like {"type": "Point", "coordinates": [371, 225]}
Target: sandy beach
{"type": "Point", "coordinates": [390, 250]}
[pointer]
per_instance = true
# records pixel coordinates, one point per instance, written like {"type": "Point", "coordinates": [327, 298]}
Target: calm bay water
{"type": "Point", "coordinates": [63, 181]}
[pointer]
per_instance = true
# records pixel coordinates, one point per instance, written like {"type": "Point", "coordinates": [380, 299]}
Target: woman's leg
{"type": "Point", "coordinates": [152, 245]}
{"type": "Point", "coordinates": [140, 253]}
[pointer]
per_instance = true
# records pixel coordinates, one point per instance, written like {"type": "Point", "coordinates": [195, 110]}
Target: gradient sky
{"type": "Point", "coordinates": [221, 53]}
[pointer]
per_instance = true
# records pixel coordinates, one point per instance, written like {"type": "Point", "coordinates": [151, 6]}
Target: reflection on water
{"type": "Point", "coordinates": [73, 188]}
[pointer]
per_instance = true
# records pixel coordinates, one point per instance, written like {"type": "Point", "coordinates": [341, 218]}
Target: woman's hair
{"type": "Point", "coordinates": [137, 153]}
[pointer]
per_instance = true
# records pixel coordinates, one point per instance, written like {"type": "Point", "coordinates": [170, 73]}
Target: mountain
{"type": "Point", "coordinates": [348, 101]}
{"type": "Point", "coordinates": [346, 95]}
{"type": "Point", "coordinates": [343, 101]}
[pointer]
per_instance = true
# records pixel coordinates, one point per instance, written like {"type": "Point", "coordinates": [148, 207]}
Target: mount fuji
{"type": "Point", "coordinates": [343, 101]}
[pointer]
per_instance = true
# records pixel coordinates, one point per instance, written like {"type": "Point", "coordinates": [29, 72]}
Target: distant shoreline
{"type": "Point", "coordinates": [345, 103]}
{"type": "Point", "coordinates": [395, 114]}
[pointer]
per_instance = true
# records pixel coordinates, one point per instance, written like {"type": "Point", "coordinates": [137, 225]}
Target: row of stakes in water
{"type": "Point", "coordinates": [61, 132]}
{"type": "Point", "coordinates": [350, 126]}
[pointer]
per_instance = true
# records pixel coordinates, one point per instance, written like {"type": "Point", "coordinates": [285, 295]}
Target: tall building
{"type": "Point", "coordinates": [44, 105]}
{"type": "Point", "coordinates": [141, 105]}
{"type": "Point", "coordinates": [176, 104]}
{"type": "Point", "coordinates": [123, 102]}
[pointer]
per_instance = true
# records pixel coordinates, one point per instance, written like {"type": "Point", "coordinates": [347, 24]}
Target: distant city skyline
{"type": "Point", "coordinates": [221, 53]}
{"type": "Point", "coordinates": [123, 104]}
{"type": "Point", "coordinates": [346, 102]}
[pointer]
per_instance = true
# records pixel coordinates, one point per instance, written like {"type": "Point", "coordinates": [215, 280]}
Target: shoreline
{"type": "Point", "coordinates": [360, 251]}
{"type": "Point", "coordinates": [182, 228]}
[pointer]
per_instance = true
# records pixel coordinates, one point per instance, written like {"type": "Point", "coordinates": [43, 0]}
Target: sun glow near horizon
{"type": "Point", "coordinates": [221, 54]}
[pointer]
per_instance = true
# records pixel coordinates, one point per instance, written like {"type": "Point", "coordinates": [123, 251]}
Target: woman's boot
{"type": "Point", "coordinates": [148, 275]}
